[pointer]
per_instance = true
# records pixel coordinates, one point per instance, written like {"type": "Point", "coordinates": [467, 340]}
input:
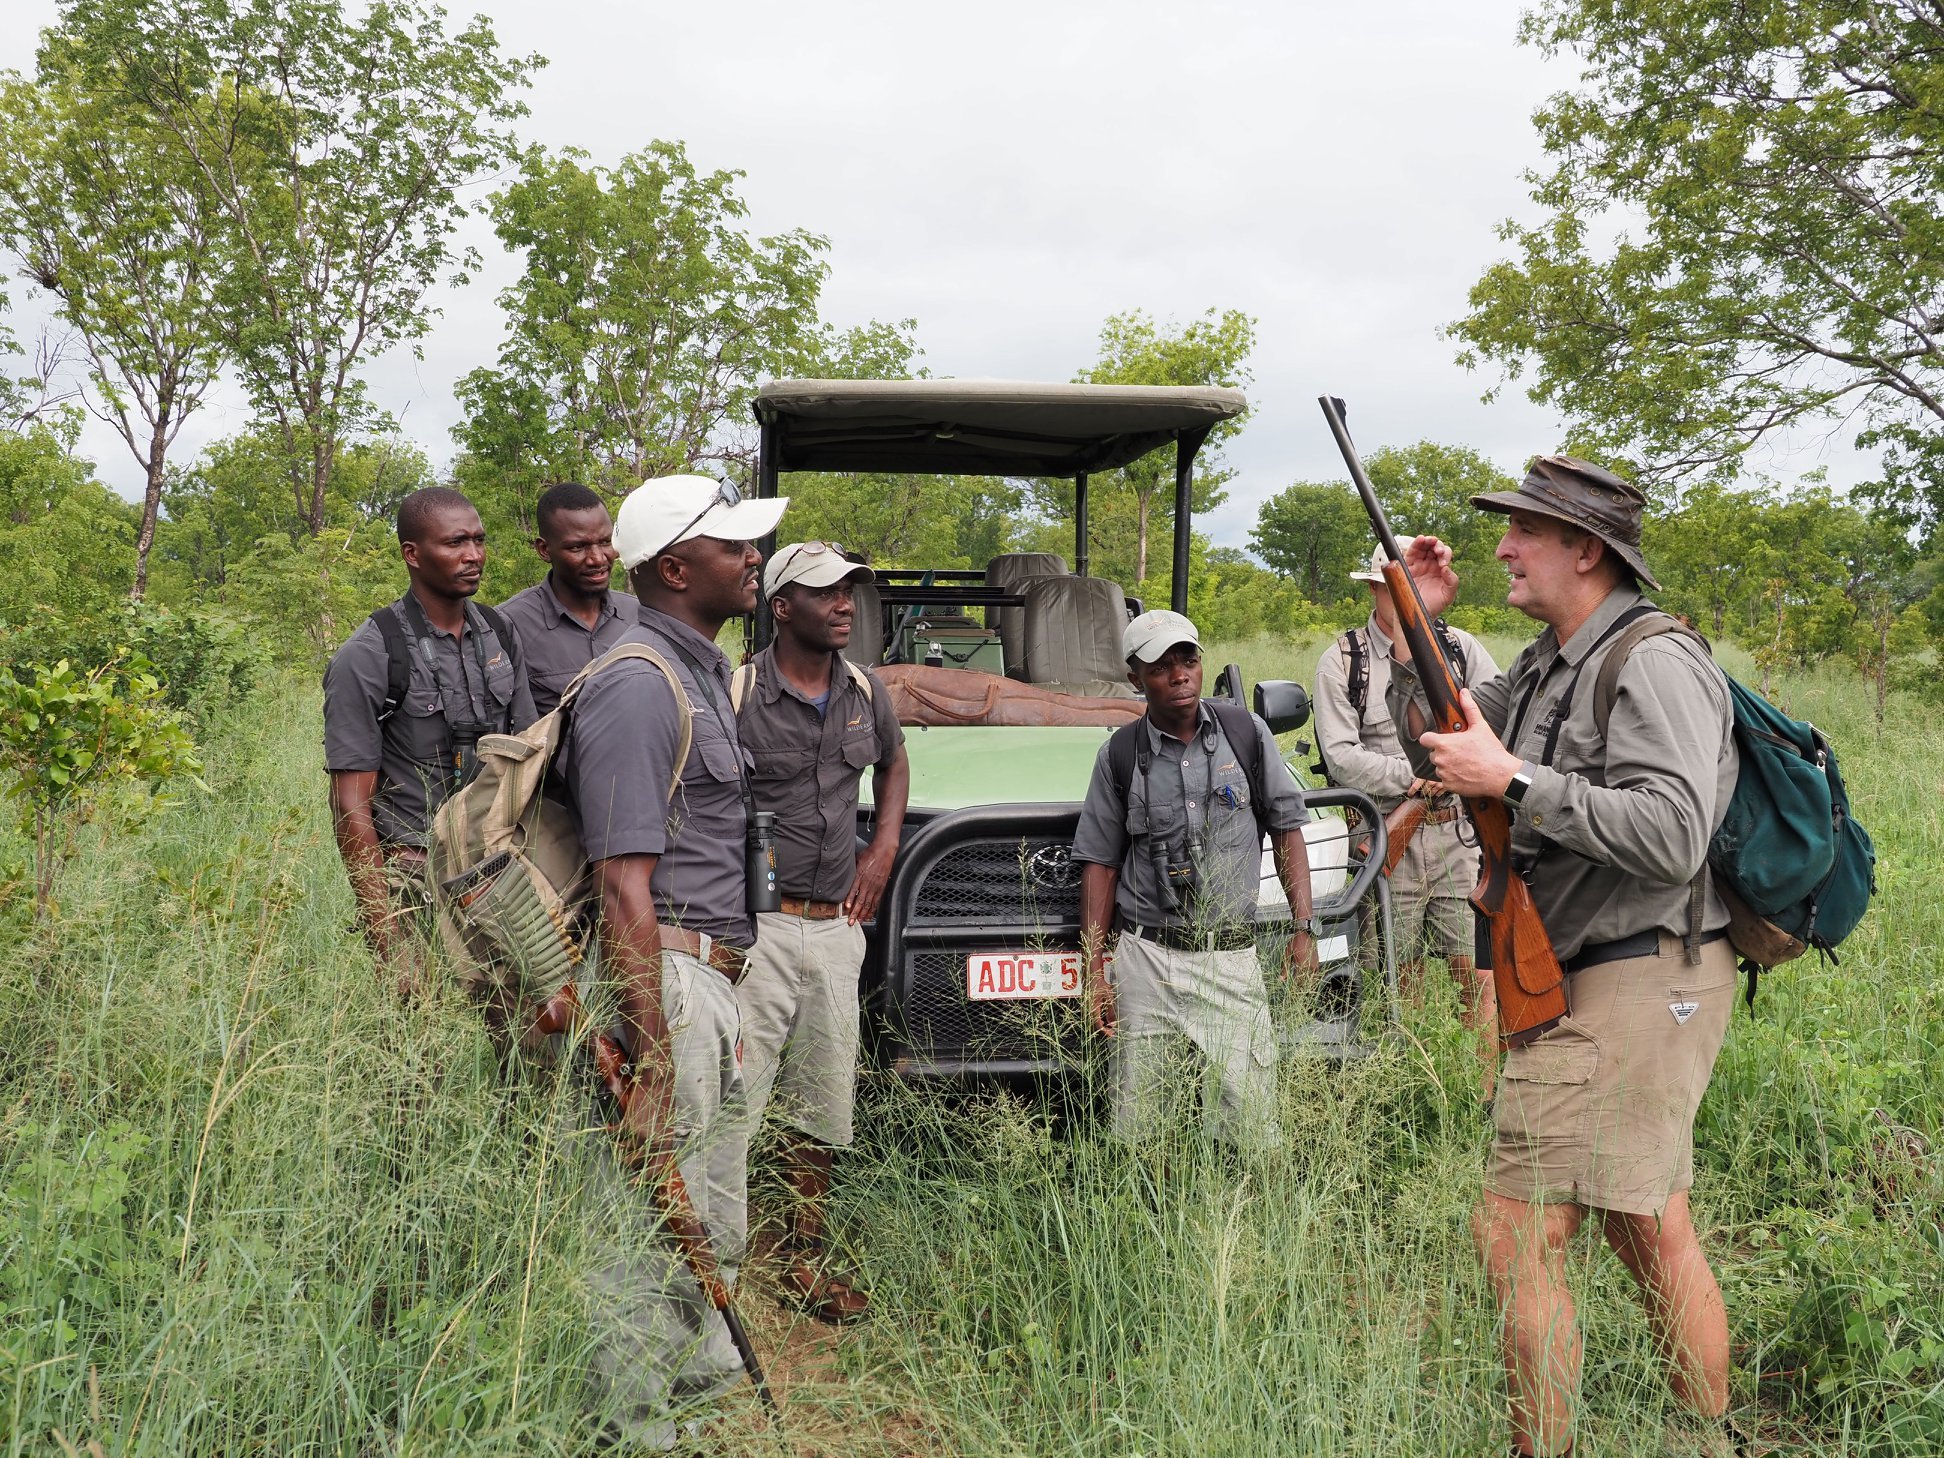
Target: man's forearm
{"type": "Point", "coordinates": [363, 856]}
{"type": "Point", "coordinates": [631, 947]}
{"type": "Point", "coordinates": [1292, 867]}
{"type": "Point", "coordinates": [890, 796]}
{"type": "Point", "coordinates": [1097, 886]}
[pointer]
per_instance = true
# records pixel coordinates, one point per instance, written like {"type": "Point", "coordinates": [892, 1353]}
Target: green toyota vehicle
{"type": "Point", "coordinates": [1008, 680]}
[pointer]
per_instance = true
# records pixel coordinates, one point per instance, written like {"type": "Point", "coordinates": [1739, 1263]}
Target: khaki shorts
{"type": "Point", "coordinates": [1600, 1111]}
{"type": "Point", "coordinates": [800, 1023]}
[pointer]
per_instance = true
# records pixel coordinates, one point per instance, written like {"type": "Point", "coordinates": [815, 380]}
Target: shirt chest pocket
{"type": "Point", "coordinates": [1231, 808]}
{"type": "Point", "coordinates": [502, 682]}
{"type": "Point", "coordinates": [779, 766]}
{"type": "Point", "coordinates": [419, 726]}
{"type": "Point", "coordinates": [860, 751]}
{"type": "Point", "coordinates": [717, 757]}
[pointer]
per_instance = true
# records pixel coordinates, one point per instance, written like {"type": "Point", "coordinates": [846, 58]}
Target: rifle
{"type": "Point", "coordinates": [1525, 971]}
{"type": "Point", "coordinates": [611, 1064]}
{"type": "Point", "coordinates": [1399, 826]}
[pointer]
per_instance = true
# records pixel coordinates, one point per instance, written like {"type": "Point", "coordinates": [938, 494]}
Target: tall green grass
{"type": "Point", "coordinates": [248, 1204]}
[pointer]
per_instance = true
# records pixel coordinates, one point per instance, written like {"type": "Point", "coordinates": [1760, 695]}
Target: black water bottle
{"type": "Point", "coordinates": [759, 873]}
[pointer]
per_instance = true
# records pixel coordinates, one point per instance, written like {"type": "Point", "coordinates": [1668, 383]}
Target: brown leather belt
{"type": "Point", "coordinates": [1444, 816]}
{"type": "Point", "coordinates": [731, 962]}
{"type": "Point", "coordinates": [812, 910]}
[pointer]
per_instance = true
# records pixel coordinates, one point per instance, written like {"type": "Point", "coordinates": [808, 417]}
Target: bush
{"type": "Point", "coordinates": [201, 658]}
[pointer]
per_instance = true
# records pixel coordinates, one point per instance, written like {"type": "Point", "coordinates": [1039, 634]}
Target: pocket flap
{"type": "Point", "coordinates": [1564, 1056]}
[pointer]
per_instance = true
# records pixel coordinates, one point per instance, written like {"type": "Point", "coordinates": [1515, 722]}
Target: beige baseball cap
{"type": "Point", "coordinates": [1375, 571]}
{"type": "Point", "coordinates": [658, 514]}
{"type": "Point", "coordinates": [814, 564]}
{"type": "Point", "coordinates": [1154, 633]}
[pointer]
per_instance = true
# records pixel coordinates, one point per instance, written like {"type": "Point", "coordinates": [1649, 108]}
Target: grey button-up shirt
{"type": "Point", "coordinates": [615, 766]}
{"type": "Point", "coordinates": [1364, 753]}
{"type": "Point", "coordinates": [1613, 831]}
{"type": "Point", "coordinates": [1194, 804]}
{"type": "Point", "coordinates": [555, 645]}
{"type": "Point", "coordinates": [412, 751]}
{"type": "Point", "coordinates": [807, 769]}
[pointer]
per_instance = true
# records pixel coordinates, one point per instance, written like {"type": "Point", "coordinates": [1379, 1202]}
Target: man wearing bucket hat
{"type": "Point", "coordinates": [1170, 846]}
{"type": "Point", "coordinates": [1613, 813]}
{"type": "Point", "coordinates": [812, 723]}
{"type": "Point", "coordinates": [670, 873]}
{"type": "Point", "coordinates": [1357, 742]}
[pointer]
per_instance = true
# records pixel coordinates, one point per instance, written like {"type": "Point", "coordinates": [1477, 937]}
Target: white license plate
{"type": "Point", "coordinates": [1009, 976]}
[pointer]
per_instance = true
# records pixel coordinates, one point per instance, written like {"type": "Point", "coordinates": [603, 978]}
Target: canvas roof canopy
{"type": "Point", "coordinates": [978, 427]}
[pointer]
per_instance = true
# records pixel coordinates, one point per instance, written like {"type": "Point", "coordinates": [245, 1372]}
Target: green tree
{"type": "Point", "coordinates": [1741, 228]}
{"type": "Point", "coordinates": [1315, 534]}
{"type": "Point", "coordinates": [66, 541]}
{"type": "Point", "coordinates": [333, 149]}
{"type": "Point", "coordinates": [1716, 554]}
{"type": "Point", "coordinates": [67, 737]}
{"type": "Point", "coordinates": [101, 212]}
{"type": "Point", "coordinates": [1135, 350]}
{"type": "Point", "coordinates": [641, 325]}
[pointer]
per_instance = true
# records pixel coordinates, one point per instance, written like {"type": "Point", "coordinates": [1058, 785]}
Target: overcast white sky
{"type": "Point", "coordinates": [1010, 173]}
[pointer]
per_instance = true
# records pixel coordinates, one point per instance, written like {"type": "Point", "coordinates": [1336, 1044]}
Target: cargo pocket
{"type": "Point", "coordinates": [1541, 1094]}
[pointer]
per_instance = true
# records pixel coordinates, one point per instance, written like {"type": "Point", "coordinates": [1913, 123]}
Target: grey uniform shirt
{"type": "Point", "coordinates": [1364, 753]}
{"type": "Point", "coordinates": [555, 645]}
{"type": "Point", "coordinates": [1192, 792]}
{"type": "Point", "coordinates": [1612, 832]}
{"type": "Point", "coordinates": [807, 769]}
{"type": "Point", "coordinates": [412, 751]}
{"type": "Point", "coordinates": [614, 768]}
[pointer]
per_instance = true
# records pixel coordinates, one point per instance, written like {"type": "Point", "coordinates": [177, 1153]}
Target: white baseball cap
{"type": "Point", "coordinates": [814, 564]}
{"type": "Point", "coordinates": [1375, 571]}
{"type": "Point", "coordinates": [657, 514]}
{"type": "Point", "coordinates": [1152, 634]}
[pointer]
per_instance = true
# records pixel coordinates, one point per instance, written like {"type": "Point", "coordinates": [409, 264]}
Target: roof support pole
{"type": "Point", "coordinates": [1080, 525]}
{"type": "Point", "coordinates": [767, 442]}
{"type": "Point", "coordinates": [1186, 445]}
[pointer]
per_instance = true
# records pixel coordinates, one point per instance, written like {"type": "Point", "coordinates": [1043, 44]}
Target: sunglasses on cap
{"type": "Point", "coordinates": [728, 493]}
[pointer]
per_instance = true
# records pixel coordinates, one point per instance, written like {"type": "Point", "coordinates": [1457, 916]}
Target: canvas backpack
{"type": "Point", "coordinates": [505, 869]}
{"type": "Point", "coordinates": [1796, 869]}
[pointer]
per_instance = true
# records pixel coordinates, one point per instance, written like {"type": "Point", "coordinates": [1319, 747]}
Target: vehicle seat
{"type": "Point", "coordinates": [1010, 572]}
{"type": "Point", "coordinates": [1073, 635]}
{"type": "Point", "coordinates": [866, 646]}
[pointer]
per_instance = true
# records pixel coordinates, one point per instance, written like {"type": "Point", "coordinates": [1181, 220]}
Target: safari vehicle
{"type": "Point", "coordinates": [976, 942]}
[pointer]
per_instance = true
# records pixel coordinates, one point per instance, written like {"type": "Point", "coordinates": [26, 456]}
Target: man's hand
{"type": "Point", "coordinates": [1428, 560]}
{"type": "Point", "coordinates": [1300, 964]}
{"type": "Point", "coordinates": [1100, 1000]}
{"type": "Point", "coordinates": [1471, 762]}
{"type": "Point", "coordinates": [1425, 790]}
{"type": "Point", "coordinates": [873, 870]}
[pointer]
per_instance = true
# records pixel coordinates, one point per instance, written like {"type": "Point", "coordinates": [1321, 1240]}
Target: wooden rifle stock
{"type": "Point", "coordinates": [611, 1065]}
{"type": "Point", "coordinates": [1399, 826]}
{"type": "Point", "coordinates": [1526, 974]}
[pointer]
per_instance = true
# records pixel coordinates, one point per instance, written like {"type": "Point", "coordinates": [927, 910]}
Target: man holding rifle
{"type": "Point", "coordinates": [672, 880]}
{"type": "Point", "coordinates": [1433, 879]}
{"type": "Point", "coordinates": [1610, 830]}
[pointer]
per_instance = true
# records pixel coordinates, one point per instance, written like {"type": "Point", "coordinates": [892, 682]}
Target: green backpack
{"type": "Point", "coordinates": [1795, 867]}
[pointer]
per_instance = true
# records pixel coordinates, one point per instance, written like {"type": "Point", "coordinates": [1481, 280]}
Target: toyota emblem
{"type": "Point", "coordinates": [1051, 867]}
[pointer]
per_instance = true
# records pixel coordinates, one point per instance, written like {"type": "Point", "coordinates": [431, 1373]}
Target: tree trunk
{"type": "Point", "coordinates": [151, 502]}
{"type": "Point", "coordinates": [1141, 504]}
{"type": "Point", "coordinates": [320, 478]}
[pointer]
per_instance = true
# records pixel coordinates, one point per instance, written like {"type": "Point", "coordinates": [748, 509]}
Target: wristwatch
{"type": "Point", "coordinates": [1305, 924]}
{"type": "Point", "coordinates": [1515, 792]}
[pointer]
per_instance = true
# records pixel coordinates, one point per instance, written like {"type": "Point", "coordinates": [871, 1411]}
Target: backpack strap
{"type": "Point", "coordinates": [1238, 727]}
{"type": "Point", "coordinates": [509, 639]}
{"type": "Point", "coordinates": [620, 652]}
{"type": "Point", "coordinates": [1122, 752]}
{"type": "Point", "coordinates": [744, 679]}
{"type": "Point", "coordinates": [398, 661]}
{"type": "Point", "coordinates": [1640, 623]}
{"type": "Point", "coordinates": [1358, 670]}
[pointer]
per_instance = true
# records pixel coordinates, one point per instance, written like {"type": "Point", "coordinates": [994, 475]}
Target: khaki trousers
{"type": "Point", "coordinates": [1216, 1004]}
{"type": "Point", "coordinates": [660, 1349]}
{"type": "Point", "coordinates": [800, 1024]}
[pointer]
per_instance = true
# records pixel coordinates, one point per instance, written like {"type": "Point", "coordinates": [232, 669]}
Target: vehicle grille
{"type": "Point", "coordinates": [1023, 881]}
{"type": "Point", "coordinates": [940, 1020]}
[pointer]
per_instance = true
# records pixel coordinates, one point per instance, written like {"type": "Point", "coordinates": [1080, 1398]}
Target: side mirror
{"type": "Point", "coordinates": [1282, 704]}
{"type": "Point", "coordinates": [1228, 685]}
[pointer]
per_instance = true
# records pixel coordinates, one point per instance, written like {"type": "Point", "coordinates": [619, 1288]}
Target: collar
{"type": "Point", "coordinates": [677, 631]}
{"type": "Point", "coordinates": [561, 613]}
{"type": "Point", "coordinates": [1380, 641]}
{"type": "Point", "coordinates": [1581, 643]}
{"type": "Point", "coordinates": [771, 685]}
{"type": "Point", "coordinates": [1204, 719]}
{"type": "Point", "coordinates": [474, 623]}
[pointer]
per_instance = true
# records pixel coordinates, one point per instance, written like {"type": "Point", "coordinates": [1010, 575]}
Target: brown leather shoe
{"type": "Point", "coordinates": [826, 1297]}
